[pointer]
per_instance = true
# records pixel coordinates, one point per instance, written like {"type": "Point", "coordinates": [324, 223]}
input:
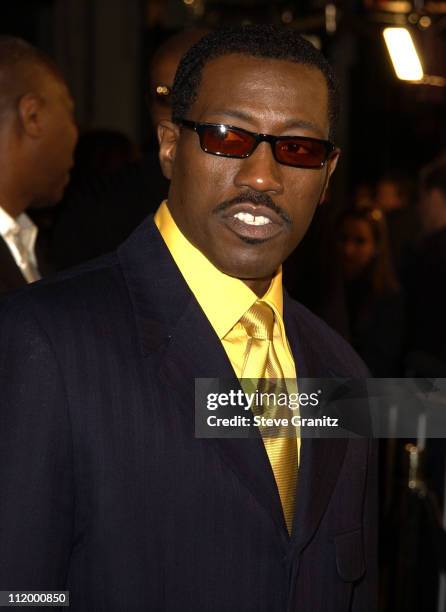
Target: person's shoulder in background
{"type": "Point", "coordinates": [66, 304]}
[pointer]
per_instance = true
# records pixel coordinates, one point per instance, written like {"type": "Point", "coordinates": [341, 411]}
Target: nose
{"type": "Point", "coordinates": [260, 171]}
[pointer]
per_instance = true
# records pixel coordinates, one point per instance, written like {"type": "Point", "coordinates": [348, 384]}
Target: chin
{"type": "Point", "coordinates": [250, 271]}
{"type": "Point", "coordinates": [57, 196]}
{"type": "Point", "coordinates": [44, 202]}
{"type": "Point", "coordinates": [54, 200]}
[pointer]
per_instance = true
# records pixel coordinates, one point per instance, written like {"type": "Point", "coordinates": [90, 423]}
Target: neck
{"type": "Point", "coordinates": [13, 201]}
{"type": "Point", "coordinates": [258, 285]}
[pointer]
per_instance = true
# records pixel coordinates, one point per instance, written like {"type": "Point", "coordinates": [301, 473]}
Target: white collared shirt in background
{"type": "Point", "coordinates": [20, 236]}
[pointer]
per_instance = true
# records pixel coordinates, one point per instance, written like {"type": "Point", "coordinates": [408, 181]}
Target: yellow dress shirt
{"type": "Point", "coordinates": [228, 299]}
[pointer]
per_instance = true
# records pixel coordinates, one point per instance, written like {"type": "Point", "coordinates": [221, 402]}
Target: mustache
{"type": "Point", "coordinates": [254, 197]}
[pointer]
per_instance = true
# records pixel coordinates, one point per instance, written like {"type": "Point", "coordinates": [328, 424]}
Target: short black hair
{"type": "Point", "coordinates": [21, 67]}
{"type": "Point", "coordinates": [263, 41]}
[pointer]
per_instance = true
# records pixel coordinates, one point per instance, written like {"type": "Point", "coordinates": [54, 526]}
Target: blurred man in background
{"type": "Point", "coordinates": [163, 66]}
{"type": "Point", "coordinates": [393, 195]}
{"type": "Point", "coordinates": [99, 213]}
{"type": "Point", "coordinates": [427, 289]}
{"type": "Point", "coordinates": [37, 139]}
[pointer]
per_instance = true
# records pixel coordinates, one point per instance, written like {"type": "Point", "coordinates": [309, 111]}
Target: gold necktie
{"type": "Point", "coordinates": [261, 362]}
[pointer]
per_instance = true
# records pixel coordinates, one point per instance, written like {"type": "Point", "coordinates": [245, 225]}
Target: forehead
{"type": "Point", "coordinates": [63, 95]}
{"type": "Point", "coordinates": [272, 94]}
{"type": "Point", "coordinates": [53, 85]}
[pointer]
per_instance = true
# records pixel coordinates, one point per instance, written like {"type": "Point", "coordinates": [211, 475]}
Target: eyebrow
{"type": "Point", "coordinates": [292, 123]}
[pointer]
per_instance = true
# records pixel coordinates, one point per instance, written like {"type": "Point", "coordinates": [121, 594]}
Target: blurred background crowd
{"type": "Point", "coordinates": [79, 171]}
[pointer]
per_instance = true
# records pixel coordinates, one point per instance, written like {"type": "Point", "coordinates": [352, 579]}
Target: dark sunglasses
{"type": "Point", "coordinates": [230, 141]}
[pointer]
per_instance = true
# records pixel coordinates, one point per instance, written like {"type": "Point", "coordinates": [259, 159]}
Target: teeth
{"type": "Point", "coordinates": [252, 219]}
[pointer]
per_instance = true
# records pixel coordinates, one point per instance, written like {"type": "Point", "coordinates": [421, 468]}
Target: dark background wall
{"type": "Point", "coordinates": [103, 46]}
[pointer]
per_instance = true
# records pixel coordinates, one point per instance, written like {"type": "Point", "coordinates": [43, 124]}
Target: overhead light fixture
{"type": "Point", "coordinates": [403, 54]}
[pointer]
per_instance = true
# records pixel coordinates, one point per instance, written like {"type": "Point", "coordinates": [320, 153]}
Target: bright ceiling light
{"type": "Point", "coordinates": [403, 54]}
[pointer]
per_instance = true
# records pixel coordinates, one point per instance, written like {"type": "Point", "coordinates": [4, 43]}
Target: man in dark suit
{"type": "Point", "coordinates": [37, 139]}
{"type": "Point", "coordinates": [106, 491]}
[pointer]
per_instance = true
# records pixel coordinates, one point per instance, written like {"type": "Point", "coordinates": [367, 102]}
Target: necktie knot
{"type": "Point", "coordinates": [258, 321]}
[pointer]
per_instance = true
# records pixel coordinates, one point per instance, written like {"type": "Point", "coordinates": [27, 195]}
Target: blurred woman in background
{"type": "Point", "coordinates": [373, 299]}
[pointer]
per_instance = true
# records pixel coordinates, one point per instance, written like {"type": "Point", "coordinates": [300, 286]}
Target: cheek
{"type": "Point", "coordinates": [303, 192]}
{"type": "Point", "coordinates": [70, 139]}
{"type": "Point", "coordinates": [64, 136]}
{"type": "Point", "coordinates": [56, 154]}
{"type": "Point", "coordinates": [207, 176]}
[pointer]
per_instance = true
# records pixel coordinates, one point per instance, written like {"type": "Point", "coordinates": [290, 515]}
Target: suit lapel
{"type": "Point", "coordinates": [195, 351]}
{"type": "Point", "coordinates": [176, 335]}
{"type": "Point", "coordinates": [321, 459]}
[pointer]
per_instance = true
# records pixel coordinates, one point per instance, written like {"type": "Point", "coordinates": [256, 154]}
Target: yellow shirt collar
{"type": "Point", "coordinates": [229, 298]}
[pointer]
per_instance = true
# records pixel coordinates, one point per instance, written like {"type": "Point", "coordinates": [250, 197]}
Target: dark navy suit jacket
{"type": "Point", "coordinates": [105, 491]}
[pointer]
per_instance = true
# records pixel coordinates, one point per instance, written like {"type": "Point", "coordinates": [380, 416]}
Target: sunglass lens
{"type": "Point", "coordinates": [303, 153]}
{"type": "Point", "coordinates": [224, 141]}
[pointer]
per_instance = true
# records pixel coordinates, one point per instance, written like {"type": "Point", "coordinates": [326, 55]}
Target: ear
{"type": "Point", "coordinates": [331, 166]}
{"type": "Point", "coordinates": [30, 112]}
{"type": "Point", "coordinates": [168, 136]}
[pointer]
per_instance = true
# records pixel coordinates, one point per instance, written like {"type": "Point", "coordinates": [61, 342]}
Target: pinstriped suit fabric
{"type": "Point", "coordinates": [107, 493]}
